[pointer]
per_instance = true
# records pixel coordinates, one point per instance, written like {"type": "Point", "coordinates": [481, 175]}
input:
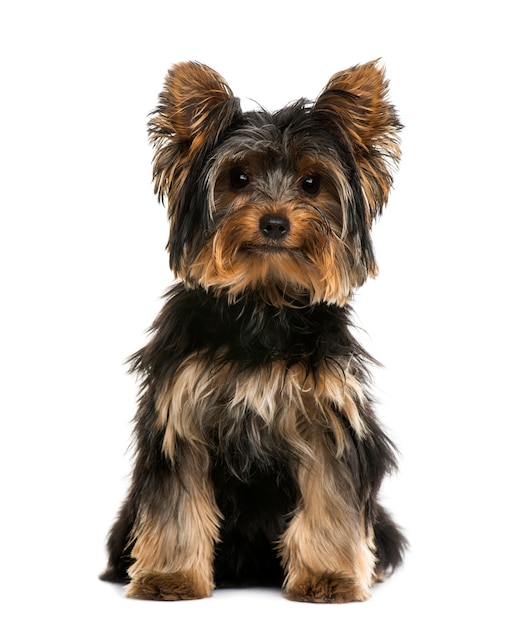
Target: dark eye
{"type": "Point", "coordinates": [238, 179]}
{"type": "Point", "coordinates": [311, 184]}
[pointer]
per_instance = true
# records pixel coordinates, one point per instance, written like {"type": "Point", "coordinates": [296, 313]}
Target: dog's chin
{"type": "Point", "coordinates": [274, 274]}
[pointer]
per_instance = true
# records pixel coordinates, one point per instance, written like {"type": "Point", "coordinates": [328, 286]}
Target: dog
{"type": "Point", "coordinates": [258, 456]}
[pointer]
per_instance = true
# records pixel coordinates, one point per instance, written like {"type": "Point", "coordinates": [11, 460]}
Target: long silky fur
{"type": "Point", "coordinates": [258, 455]}
{"type": "Point", "coordinates": [261, 495]}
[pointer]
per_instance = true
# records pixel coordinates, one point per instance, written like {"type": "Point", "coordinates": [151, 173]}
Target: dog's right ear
{"type": "Point", "coordinates": [192, 94]}
{"type": "Point", "coordinates": [195, 106]}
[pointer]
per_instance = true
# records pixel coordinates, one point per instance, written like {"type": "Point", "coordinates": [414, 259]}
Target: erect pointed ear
{"type": "Point", "coordinates": [195, 106]}
{"type": "Point", "coordinates": [355, 105]}
{"type": "Point", "coordinates": [192, 92]}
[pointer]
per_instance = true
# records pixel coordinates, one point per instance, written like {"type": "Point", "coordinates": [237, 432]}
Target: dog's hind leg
{"type": "Point", "coordinates": [119, 546]}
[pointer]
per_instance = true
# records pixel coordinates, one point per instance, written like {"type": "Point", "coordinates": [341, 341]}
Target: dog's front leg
{"type": "Point", "coordinates": [325, 550]}
{"type": "Point", "coordinates": [175, 533]}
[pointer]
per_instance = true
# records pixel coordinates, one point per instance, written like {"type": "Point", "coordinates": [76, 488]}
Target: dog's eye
{"type": "Point", "coordinates": [311, 184]}
{"type": "Point", "coordinates": [238, 179]}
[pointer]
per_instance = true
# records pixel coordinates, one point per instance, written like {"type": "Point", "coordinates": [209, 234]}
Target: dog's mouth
{"type": "Point", "coordinates": [274, 256]}
{"type": "Point", "coordinates": [271, 254]}
{"type": "Point", "coordinates": [267, 248]}
{"type": "Point", "coordinates": [272, 248]}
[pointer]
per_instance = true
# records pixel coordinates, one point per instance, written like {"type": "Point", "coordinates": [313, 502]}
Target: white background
{"type": "Point", "coordinates": [83, 266]}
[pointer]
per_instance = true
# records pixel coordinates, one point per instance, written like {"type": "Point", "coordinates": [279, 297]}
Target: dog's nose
{"type": "Point", "coordinates": [274, 226]}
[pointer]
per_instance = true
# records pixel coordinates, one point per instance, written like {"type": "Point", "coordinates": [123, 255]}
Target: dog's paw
{"type": "Point", "coordinates": [167, 586]}
{"type": "Point", "coordinates": [325, 588]}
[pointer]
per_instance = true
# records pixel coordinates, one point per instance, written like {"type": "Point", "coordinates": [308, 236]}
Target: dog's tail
{"type": "Point", "coordinates": [390, 542]}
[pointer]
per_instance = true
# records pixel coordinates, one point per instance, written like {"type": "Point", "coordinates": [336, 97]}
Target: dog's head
{"type": "Point", "coordinates": [275, 205]}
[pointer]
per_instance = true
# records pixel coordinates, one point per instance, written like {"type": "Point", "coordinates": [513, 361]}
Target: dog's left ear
{"type": "Point", "coordinates": [354, 104]}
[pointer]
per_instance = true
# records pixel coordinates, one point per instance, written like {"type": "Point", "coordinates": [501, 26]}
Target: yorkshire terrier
{"type": "Point", "coordinates": [258, 455]}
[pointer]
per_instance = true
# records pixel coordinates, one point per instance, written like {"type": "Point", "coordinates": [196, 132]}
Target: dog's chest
{"type": "Point", "coordinates": [264, 404]}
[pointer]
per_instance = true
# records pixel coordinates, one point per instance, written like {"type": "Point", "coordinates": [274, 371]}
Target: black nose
{"type": "Point", "coordinates": [274, 226]}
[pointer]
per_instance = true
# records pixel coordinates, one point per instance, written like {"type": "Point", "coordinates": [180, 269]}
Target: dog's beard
{"type": "Point", "coordinates": [312, 264]}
